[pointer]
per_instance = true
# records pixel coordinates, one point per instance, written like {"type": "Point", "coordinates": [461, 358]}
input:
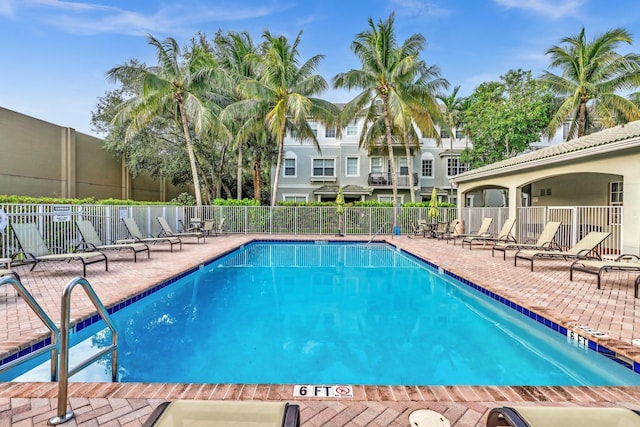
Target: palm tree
{"type": "Point", "coordinates": [453, 115]}
{"type": "Point", "coordinates": [233, 52]}
{"type": "Point", "coordinates": [592, 74]}
{"type": "Point", "coordinates": [283, 95]}
{"type": "Point", "coordinates": [395, 84]}
{"type": "Point", "coordinates": [171, 89]}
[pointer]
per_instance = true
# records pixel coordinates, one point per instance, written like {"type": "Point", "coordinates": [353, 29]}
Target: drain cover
{"type": "Point", "coordinates": [428, 418]}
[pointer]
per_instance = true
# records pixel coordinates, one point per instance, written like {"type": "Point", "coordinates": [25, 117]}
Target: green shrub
{"type": "Point", "coordinates": [235, 202]}
{"type": "Point", "coordinates": [184, 199]}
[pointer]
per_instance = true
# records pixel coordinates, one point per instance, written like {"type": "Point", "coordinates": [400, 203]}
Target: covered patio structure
{"type": "Point", "coordinates": [589, 171]}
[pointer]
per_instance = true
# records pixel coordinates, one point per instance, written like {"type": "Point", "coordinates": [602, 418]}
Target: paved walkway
{"type": "Point", "coordinates": [547, 290]}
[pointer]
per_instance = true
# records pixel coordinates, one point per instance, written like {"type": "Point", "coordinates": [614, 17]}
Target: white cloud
{"type": "Point", "coordinates": [6, 8]}
{"type": "Point", "coordinates": [95, 18]}
{"type": "Point", "coordinates": [551, 8]}
{"type": "Point", "coordinates": [420, 7]}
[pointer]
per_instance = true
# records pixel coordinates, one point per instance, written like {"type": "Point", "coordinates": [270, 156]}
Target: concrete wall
{"type": "Point", "coordinates": [42, 159]}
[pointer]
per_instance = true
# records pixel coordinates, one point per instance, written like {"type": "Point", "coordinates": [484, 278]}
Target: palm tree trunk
{"type": "Point", "coordinates": [239, 173]}
{"type": "Point", "coordinates": [276, 180]}
{"type": "Point", "coordinates": [582, 119]}
{"type": "Point", "coordinates": [257, 169]}
{"type": "Point", "coordinates": [410, 167]}
{"type": "Point", "coordinates": [192, 156]}
{"type": "Point", "coordinates": [392, 162]}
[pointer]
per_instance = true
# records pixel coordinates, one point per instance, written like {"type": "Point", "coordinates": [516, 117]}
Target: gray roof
{"type": "Point", "coordinates": [346, 190]}
{"type": "Point", "coordinates": [608, 140]}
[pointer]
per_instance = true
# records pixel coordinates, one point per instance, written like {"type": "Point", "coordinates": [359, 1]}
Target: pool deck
{"type": "Point", "coordinates": [612, 310]}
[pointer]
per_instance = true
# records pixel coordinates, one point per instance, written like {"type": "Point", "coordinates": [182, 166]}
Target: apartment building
{"type": "Point", "coordinates": [309, 174]}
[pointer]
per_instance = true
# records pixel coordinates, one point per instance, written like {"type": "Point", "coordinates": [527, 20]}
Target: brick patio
{"type": "Point", "coordinates": [548, 291]}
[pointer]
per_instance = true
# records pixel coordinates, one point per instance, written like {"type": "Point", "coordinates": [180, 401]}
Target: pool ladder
{"type": "Point", "coordinates": [59, 345]}
{"type": "Point", "coordinates": [55, 333]}
{"type": "Point", "coordinates": [63, 383]}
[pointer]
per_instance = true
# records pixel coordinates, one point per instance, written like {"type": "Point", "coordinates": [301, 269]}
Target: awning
{"type": "Point", "coordinates": [442, 191]}
{"type": "Point", "coordinates": [347, 190]}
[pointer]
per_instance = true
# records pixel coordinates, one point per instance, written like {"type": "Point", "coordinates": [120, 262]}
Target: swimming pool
{"type": "Point", "coordinates": [325, 313]}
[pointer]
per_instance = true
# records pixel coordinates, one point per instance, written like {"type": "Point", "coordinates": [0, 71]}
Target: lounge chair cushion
{"type": "Point", "coordinates": [206, 413]}
{"type": "Point", "coordinates": [540, 416]}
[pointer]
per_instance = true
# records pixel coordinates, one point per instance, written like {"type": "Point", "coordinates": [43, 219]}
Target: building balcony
{"type": "Point", "coordinates": [384, 180]}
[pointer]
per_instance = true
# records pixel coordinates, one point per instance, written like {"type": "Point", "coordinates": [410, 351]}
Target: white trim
{"type": "Point", "coordinates": [285, 195]}
{"type": "Point", "coordinates": [335, 167]}
{"type": "Point", "coordinates": [346, 166]}
{"type": "Point", "coordinates": [390, 197]}
{"type": "Point", "coordinates": [290, 155]}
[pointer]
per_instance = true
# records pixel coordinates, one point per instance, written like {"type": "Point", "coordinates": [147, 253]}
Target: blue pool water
{"type": "Point", "coordinates": [306, 313]}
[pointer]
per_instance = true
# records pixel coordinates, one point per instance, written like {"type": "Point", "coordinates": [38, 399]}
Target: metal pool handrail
{"type": "Point", "coordinates": [62, 414]}
{"type": "Point", "coordinates": [55, 333]}
{"type": "Point", "coordinates": [375, 234]}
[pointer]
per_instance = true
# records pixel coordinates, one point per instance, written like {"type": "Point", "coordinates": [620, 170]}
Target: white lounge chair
{"type": "Point", "coordinates": [582, 249]}
{"type": "Point", "coordinates": [136, 235]}
{"type": "Point", "coordinates": [503, 236]}
{"type": "Point", "coordinates": [168, 232]}
{"type": "Point", "coordinates": [545, 416]}
{"type": "Point", "coordinates": [624, 262]}
{"type": "Point", "coordinates": [35, 250]}
{"type": "Point", "coordinates": [483, 231]}
{"type": "Point", "coordinates": [544, 242]}
{"type": "Point", "coordinates": [91, 241]}
{"type": "Point", "coordinates": [224, 413]}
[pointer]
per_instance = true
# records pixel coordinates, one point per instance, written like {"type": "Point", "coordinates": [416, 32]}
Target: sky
{"type": "Point", "coordinates": [55, 54]}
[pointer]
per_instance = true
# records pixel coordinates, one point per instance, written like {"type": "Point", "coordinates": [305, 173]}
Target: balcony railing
{"type": "Point", "coordinates": [384, 180]}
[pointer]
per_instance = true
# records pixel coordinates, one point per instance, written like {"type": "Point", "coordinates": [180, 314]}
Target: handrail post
{"type": "Point", "coordinates": [55, 333]}
{"type": "Point", "coordinates": [63, 383]}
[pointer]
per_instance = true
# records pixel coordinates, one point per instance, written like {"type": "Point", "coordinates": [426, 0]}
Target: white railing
{"type": "Point", "coordinates": [57, 222]}
{"type": "Point", "coordinates": [576, 222]}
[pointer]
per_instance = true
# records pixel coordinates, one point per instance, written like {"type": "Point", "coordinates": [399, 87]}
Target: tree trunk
{"type": "Point", "coordinates": [239, 173]}
{"type": "Point", "coordinates": [410, 167]}
{"type": "Point", "coordinates": [392, 161]}
{"type": "Point", "coordinates": [220, 170]}
{"type": "Point", "coordinates": [192, 156]}
{"type": "Point", "coordinates": [257, 181]}
{"type": "Point", "coordinates": [276, 179]}
{"type": "Point", "coordinates": [582, 118]}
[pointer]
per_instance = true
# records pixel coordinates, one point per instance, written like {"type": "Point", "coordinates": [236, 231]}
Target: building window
{"type": "Point", "coordinates": [427, 168]}
{"type": "Point", "coordinates": [376, 164]}
{"type": "Point", "coordinates": [444, 134]}
{"type": "Point", "coordinates": [294, 198]}
{"type": "Point", "coordinates": [459, 134]}
{"type": "Point", "coordinates": [314, 127]}
{"type": "Point", "coordinates": [389, 198]}
{"type": "Point", "coordinates": [352, 129]}
{"type": "Point", "coordinates": [615, 200]}
{"type": "Point", "coordinates": [403, 168]}
{"type": "Point", "coordinates": [615, 193]}
{"type": "Point", "coordinates": [353, 168]}
{"type": "Point", "coordinates": [330, 132]}
{"type": "Point", "coordinates": [324, 167]}
{"type": "Point", "coordinates": [455, 167]}
{"type": "Point", "coordinates": [289, 167]}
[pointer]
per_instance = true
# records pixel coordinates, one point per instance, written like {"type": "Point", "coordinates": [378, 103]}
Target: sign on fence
{"type": "Point", "coordinates": [61, 213]}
